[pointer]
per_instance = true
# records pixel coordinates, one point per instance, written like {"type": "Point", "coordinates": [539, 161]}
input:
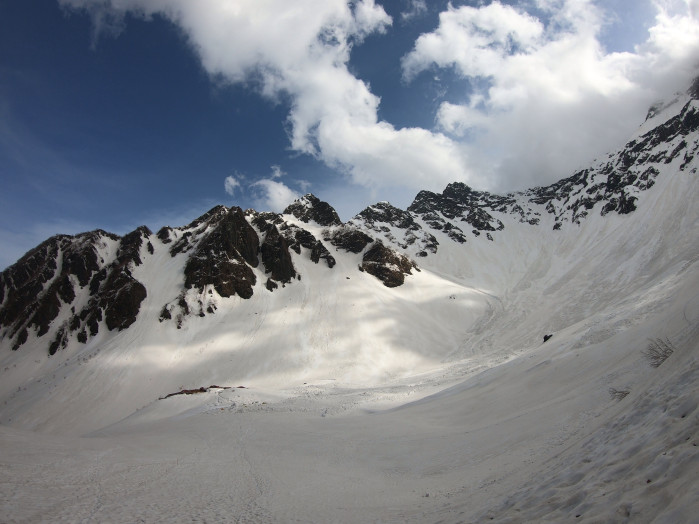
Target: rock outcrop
{"type": "Point", "coordinates": [311, 208]}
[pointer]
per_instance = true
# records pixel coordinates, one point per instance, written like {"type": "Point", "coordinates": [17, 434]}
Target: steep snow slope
{"type": "Point", "coordinates": [334, 324]}
{"type": "Point", "coordinates": [436, 400]}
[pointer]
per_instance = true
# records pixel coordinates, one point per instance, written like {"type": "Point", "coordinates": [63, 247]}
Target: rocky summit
{"type": "Point", "coordinates": [71, 285]}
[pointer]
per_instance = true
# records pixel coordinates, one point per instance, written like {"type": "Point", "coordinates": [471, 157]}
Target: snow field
{"type": "Point", "coordinates": [434, 402]}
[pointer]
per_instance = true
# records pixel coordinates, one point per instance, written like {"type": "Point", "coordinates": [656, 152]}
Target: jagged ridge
{"type": "Point", "coordinates": [87, 279]}
{"type": "Point", "coordinates": [609, 186]}
{"type": "Point", "coordinates": [71, 286]}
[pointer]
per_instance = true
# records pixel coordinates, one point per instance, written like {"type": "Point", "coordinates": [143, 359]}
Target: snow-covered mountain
{"type": "Point", "coordinates": [446, 304]}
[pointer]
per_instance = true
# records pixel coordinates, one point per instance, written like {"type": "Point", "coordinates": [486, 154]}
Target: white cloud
{"type": "Point", "coordinates": [475, 40]}
{"type": "Point", "coordinates": [266, 194]}
{"type": "Point", "coordinates": [301, 49]}
{"type": "Point", "coordinates": [304, 185]}
{"type": "Point", "coordinates": [554, 98]}
{"type": "Point", "coordinates": [277, 172]}
{"type": "Point", "coordinates": [369, 18]}
{"type": "Point", "coordinates": [230, 184]}
{"type": "Point", "coordinates": [415, 8]}
{"type": "Point", "coordinates": [272, 195]}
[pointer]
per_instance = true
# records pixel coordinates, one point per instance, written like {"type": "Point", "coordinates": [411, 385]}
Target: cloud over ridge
{"type": "Point", "coordinates": [554, 95]}
{"type": "Point", "coordinates": [553, 98]}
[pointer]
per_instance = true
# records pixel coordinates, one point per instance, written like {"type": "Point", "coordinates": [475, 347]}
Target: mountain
{"type": "Point", "coordinates": [91, 274]}
{"type": "Point", "coordinates": [510, 329]}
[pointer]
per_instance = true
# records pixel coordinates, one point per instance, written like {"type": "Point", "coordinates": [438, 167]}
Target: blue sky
{"type": "Point", "coordinates": [117, 113]}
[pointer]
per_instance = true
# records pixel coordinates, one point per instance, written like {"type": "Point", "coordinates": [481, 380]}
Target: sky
{"type": "Point", "coordinates": [117, 113]}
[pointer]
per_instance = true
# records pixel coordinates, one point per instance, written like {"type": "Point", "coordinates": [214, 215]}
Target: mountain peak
{"type": "Point", "coordinates": [310, 207]}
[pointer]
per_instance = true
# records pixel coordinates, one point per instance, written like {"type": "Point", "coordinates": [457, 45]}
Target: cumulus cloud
{"type": "Point", "coordinates": [547, 95]}
{"type": "Point", "coordinates": [553, 97]}
{"type": "Point", "coordinates": [268, 193]}
{"type": "Point", "coordinates": [272, 195]}
{"type": "Point", "coordinates": [301, 50]}
{"type": "Point", "coordinates": [474, 40]}
{"type": "Point", "coordinates": [230, 184]}
{"type": "Point", "coordinates": [277, 172]}
{"type": "Point", "coordinates": [415, 8]}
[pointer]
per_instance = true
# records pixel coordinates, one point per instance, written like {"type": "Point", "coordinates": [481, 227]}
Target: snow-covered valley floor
{"type": "Point", "coordinates": [537, 438]}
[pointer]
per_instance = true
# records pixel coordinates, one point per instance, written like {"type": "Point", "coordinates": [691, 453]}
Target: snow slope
{"type": "Point", "coordinates": [435, 401]}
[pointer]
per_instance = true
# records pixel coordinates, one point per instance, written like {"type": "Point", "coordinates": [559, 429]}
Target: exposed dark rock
{"type": "Point", "coordinates": [97, 279]}
{"type": "Point", "coordinates": [182, 302]}
{"type": "Point", "coordinates": [385, 213]}
{"type": "Point", "coordinates": [265, 221]}
{"type": "Point", "coordinates": [123, 302]}
{"type": "Point", "coordinates": [295, 238]}
{"type": "Point", "coordinates": [75, 323]}
{"type": "Point", "coordinates": [24, 281]}
{"type": "Point", "coordinates": [46, 287]}
{"type": "Point", "coordinates": [164, 234]}
{"type": "Point", "coordinates": [222, 257]}
{"type": "Point", "coordinates": [547, 337]}
{"type": "Point", "coordinates": [211, 216]}
{"type": "Point", "coordinates": [319, 251]}
{"type": "Point", "coordinates": [459, 201]}
{"type": "Point", "coordinates": [21, 339]}
{"type": "Point", "coordinates": [92, 321]}
{"type": "Point", "coordinates": [310, 207]}
{"type": "Point", "coordinates": [47, 310]}
{"type": "Point", "coordinates": [276, 257]}
{"type": "Point", "coordinates": [165, 314]}
{"type": "Point", "coordinates": [396, 226]}
{"type": "Point", "coordinates": [64, 288]}
{"type": "Point", "coordinates": [196, 391]}
{"type": "Point", "coordinates": [350, 239]}
{"type": "Point", "coordinates": [627, 204]}
{"type": "Point", "coordinates": [59, 341]}
{"type": "Point", "coordinates": [425, 202]}
{"type": "Point", "coordinates": [195, 230]}
{"type": "Point", "coordinates": [80, 258]}
{"type": "Point", "coordinates": [41, 282]}
{"type": "Point", "coordinates": [387, 265]}
{"type": "Point", "coordinates": [229, 277]}
{"type": "Point", "coordinates": [130, 246]}
{"type": "Point", "coordinates": [183, 244]}
{"type": "Point", "coordinates": [301, 238]}
{"type": "Point", "coordinates": [119, 294]}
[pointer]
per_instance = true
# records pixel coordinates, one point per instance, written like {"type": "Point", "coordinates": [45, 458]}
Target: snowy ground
{"type": "Point", "coordinates": [433, 402]}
